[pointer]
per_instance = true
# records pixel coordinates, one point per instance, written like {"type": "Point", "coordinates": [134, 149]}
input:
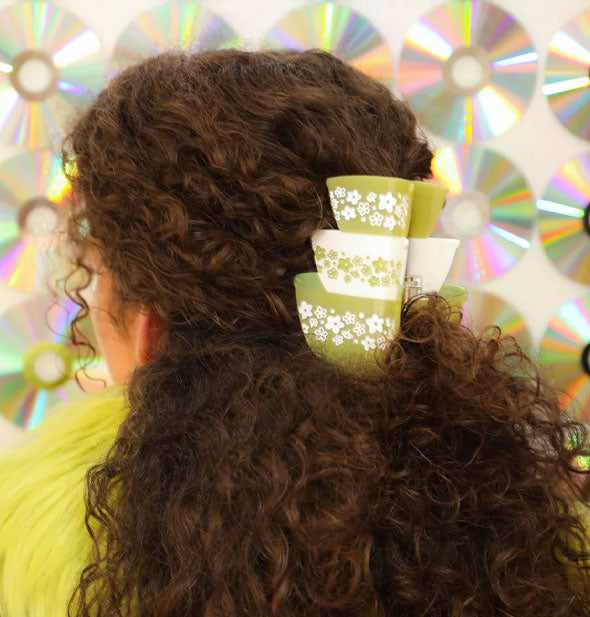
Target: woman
{"type": "Point", "coordinates": [246, 475]}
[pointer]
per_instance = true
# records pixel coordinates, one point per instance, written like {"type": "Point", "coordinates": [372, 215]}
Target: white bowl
{"type": "Point", "coordinates": [431, 259]}
{"type": "Point", "coordinates": [364, 265]}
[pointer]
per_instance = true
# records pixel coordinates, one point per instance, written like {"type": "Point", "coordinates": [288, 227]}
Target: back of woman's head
{"type": "Point", "coordinates": [250, 476]}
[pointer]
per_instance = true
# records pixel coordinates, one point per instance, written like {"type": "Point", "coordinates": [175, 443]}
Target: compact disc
{"type": "Point", "coordinates": [468, 70]}
{"type": "Point", "coordinates": [339, 30]}
{"type": "Point", "coordinates": [567, 76]}
{"type": "Point", "coordinates": [563, 219]}
{"type": "Point", "coordinates": [38, 363]}
{"type": "Point", "coordinates": [484, 310]}
{"type": "Point", "coordinates": [34, 194]}
{"type": "Point", "coordinates": [50, 65]}
{"type": "Point", "coordinates": [490, 208]}
{"type": "Point", "coordinates": [174, 25]}
{"type": "Point", "coordinates": [565, 355]}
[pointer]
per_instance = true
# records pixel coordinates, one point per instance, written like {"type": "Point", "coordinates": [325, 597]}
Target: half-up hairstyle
{"type": "Point", "coordinates": [250, 477]}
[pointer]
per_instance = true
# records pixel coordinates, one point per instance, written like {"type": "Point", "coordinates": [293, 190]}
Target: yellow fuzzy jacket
{"type": "Point", "coordinates": [44, 543]}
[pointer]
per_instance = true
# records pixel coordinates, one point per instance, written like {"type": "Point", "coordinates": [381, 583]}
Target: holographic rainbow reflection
{"type": "Point", "coordinates": [500, 102]}
{"type": "Point", "coordinates": [561, 354]}
{"type": "Point", "coordinates": [567, 80]}
{"type": "Point", "coordinates": [483, 310]}
{"type": "Point", "coordinates": [33, 321]}
{"type": "Point", "coordinates": [511, 211]}
{"type": "Point", "coordinates": [175, 25]}
{"type": "Point", "coordinates": [24, 258]}
{"type": "Point", "coordinates": [561, 214]}
{"type": "Point", "coordinates": [339, 30]}
{"type": "Point", "coordinates": [75, 52]}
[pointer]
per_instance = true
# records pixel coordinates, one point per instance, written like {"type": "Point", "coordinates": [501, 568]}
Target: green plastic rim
{"type": "Point", "coordinates": [35, 352]}
{"type": "Point", "coordinates": [454, 294]}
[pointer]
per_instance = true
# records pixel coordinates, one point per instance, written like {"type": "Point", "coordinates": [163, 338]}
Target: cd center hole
{"type": "Point", "coordinates": [467, 72]}
{"type": "Point", "coordinates": [49, 367]}
{"type": "Point", "coordinates": [35, 75]}
{"type": "Point", "coordinates": [468, 217]}
{"type": "Point", "coordinates": [41, 221]}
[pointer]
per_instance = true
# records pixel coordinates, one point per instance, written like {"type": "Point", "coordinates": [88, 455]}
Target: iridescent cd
{"type": "Point", "coordinates": [50, 65]}
{"type": "Point", "coordinates": [563, 219]}
{"type": "Point", "coordinates": [175, 25]}
{"type": "Point", "coordinates": [468, 70]}
{"type": "Point", "coordinates": [37, 364]}
{"type": "Point", "coordinates": [339, 30]}
{"type": "Point", "coordinates": [490, 208]}
{"type": "Point", "coordinates": [34, 194]}
{"type": "Point", "coordinates": [484, 310]}
{"type": "Point", "coordinates": [567, 76]}
{"type": "Point", "coordinates": [565, 355]}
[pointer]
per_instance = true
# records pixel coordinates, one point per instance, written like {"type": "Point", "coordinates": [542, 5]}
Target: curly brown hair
{"type": "Point", "coordinates": [250, 477]}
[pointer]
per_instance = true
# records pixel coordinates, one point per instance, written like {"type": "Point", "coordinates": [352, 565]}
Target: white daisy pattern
{"type": "Point", "coordinates": [348, 213]}
{"type": "Point", "coordinates": [359, 329]}
{"type": "Point", "coordinates": [334, 323]}
{"type": "Point", "coordinates": [364, 208]}
{"type": "Point", "coordinates": [387, 202]}
{"type": "Point", "coordinates": [376, 219]}
{"type": "Point", "coordinates": [321, 333]}
{"type": "Point", "coordinates": [368, 343]}
{"type": "Point", "coordinates": [390, 222]}
{"type": "Point", "coordinates": [327, 326]}
{"type": "Point", "coordinates": [375, 324]}
{"type": "Point", "coordinates": [320, 312]}
{"type": "Point", "coordinates": [388, 209]}
{"type": "Point", "coordinates": [349, 318]}
{"type": "Point", "coordinates": [390, 328]}
{"type": "Point", "coordinates": [305, 309]}
{"type": "Point", "coordinates": [353, 197]}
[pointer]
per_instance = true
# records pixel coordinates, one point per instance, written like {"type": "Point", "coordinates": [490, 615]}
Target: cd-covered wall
{"type": "Point", "coordinates": [505, 101]}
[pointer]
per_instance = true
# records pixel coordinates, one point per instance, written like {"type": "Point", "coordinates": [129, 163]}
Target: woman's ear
{"type": "Point", "coordinates": [149, 332]}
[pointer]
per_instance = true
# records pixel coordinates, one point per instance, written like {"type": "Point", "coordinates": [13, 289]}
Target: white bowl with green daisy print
{"type": "Point", "coordinates": [379, 205]}
{"type": "Point", "coordinates": [345, 330]}
{"type": "Point", "coordinates": [362, 265]}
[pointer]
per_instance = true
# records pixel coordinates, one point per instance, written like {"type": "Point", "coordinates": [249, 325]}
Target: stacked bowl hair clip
{"type": "Point", "coordinates": [377, 259]}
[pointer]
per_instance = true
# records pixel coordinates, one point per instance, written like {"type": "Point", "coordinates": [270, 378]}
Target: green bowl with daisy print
{"type": "Point", "coordinates": [379, 205]}
{"type": "Point", "coordinates": [346, 330]}
{"type": "Point", "coordinates": [427, 203]}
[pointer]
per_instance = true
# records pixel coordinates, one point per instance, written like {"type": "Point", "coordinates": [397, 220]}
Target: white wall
{"type": "Point", "coordinates": [538, 144]}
